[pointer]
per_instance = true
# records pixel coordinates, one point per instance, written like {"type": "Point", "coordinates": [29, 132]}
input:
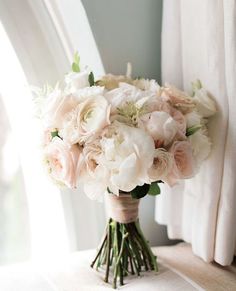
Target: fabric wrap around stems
{"type": "Point", "coordinates": [122, 208]}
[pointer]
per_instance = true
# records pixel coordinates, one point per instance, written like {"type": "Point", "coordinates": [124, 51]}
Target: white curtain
{"type": "Point", "coordinates": [45, 35]}
{"type": "Point", "coordinates": [199, 41]}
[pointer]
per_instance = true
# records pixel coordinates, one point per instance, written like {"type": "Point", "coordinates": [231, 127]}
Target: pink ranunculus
{"type": "Point", "coordinates": [183, 166]}
{"type": "Point", "coordinates": [64, 162]}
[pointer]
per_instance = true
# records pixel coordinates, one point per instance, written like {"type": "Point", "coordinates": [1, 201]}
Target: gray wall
{"type": "Point", "coordinates": [130, 30]}
{"type": "Point", "coordinates": [127, 30]}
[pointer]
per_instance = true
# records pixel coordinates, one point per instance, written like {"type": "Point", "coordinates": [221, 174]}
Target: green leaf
{"type": "Point", "coordinates": [191, 130]}
{"type": "Point", "coordinates": [140, 191]}
{"type": "Point", "coordinates": [91, 79]}
{"type": "Point", "coordinates": [154, 189]}
{"type": "Point", "coordinates": [54, 133]}
{"type": "Point", "coordinates": [75, 68]}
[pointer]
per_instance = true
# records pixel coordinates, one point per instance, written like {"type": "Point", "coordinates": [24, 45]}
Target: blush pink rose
{"type": "Point", "coordinates": [183, 166]}
{"type": "Point", "coordinates": [64, 162]}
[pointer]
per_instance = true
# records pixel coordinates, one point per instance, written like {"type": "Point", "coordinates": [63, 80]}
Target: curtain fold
{"type": "Point", "coordinates": [45, 35]}
{"type": "Point", "coordinates": [203, 210]}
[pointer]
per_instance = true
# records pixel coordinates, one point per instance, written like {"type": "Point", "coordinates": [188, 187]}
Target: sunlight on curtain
{"type": "Point", "coordinates": [47, 224]}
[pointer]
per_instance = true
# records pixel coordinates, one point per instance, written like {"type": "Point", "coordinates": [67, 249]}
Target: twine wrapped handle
{"type": "Point", "coordinates": [122, 208]}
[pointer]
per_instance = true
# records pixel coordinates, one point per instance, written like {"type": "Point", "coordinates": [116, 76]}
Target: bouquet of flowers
{"type": "Point", "coordinates": [120, 137]}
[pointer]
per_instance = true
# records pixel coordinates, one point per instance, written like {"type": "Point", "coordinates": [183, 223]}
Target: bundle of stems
{"type": "Point", "coordinates": [123, 251]}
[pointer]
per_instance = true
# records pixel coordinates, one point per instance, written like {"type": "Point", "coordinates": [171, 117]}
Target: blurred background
{"type": "Point", "coordinates": [38, 39]}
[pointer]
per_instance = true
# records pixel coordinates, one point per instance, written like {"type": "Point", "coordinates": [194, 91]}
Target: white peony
{"type": "Point", "coordinates": [201, 147]}
{"type": "Point", "coordinates": [128, 153]}
{"type": "Point", "coordinates": [95, 186]}
{"type": "Point", "coordinates": [77, 81]}
{"type": "Point", "coordinates": [160, 125]}
{"type": "Point", "coordinates": [86, 120]}
{"type": "Point", "coordinates": [206, 106]}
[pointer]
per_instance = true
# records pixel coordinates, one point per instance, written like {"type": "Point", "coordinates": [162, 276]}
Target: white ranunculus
{"type": "Point", "coordinates": [193, 118]}
{"type": "Point", "coordinates": [124, 93]}
{"type": "Point", "coordinates": [56, 107]}
{"type": "Point", "coordinates": [128, 153]}
{"type": "Point", "coordinates": [201, 147]}
{"type": "Point", "coordinates": [76, 80]}
{"type": "Point", "coordinates": [162, 164]}
{"type": "Point", "coordinates": [206, 106]}
{"type": "Point", "coordinates": [87, 120]}
{"type": "Point", "coordinates": [160, 125]}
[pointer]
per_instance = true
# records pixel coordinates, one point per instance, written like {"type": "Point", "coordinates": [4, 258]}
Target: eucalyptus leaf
{"type": "Point", "coordinates": [140, 191]}
{"type": "Point", "coordinates": [154, 189]}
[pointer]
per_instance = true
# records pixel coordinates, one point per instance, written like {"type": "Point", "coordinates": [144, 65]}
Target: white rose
{"type": "Point", "coordinates": [201, 147]}
{"type": "Point", "coordinates": [77, 81]}
{"type": "Point", "coordinates": [57, 105]}
{"type": "Point", "coordinates": [123, 94]}
{"type": "Point", "coordinates": [206, 106]}
{"type": "Point", "coordinates": [160, 125]}
{"type": "Point", "coordinates": [162, 164]}
{"type": "Point", "coordinates": [128, 154]}
{"type": "Point", "coordinates": [87, 120]}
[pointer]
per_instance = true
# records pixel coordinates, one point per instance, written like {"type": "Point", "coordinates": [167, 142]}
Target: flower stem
{"type": "Point", "coordinates": [124, 250]}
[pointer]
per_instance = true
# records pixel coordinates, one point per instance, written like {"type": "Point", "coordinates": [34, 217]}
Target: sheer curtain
{"type": "Point", "coordinates": [199, 41]}
{"type": "Point", "coordinates": [41, 47]}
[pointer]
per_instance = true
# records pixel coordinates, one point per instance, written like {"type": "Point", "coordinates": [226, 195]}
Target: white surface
{"type": "Point", "coordinates": [199, 41]}
{"type": "Point", "coordinates": [75, 274]}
